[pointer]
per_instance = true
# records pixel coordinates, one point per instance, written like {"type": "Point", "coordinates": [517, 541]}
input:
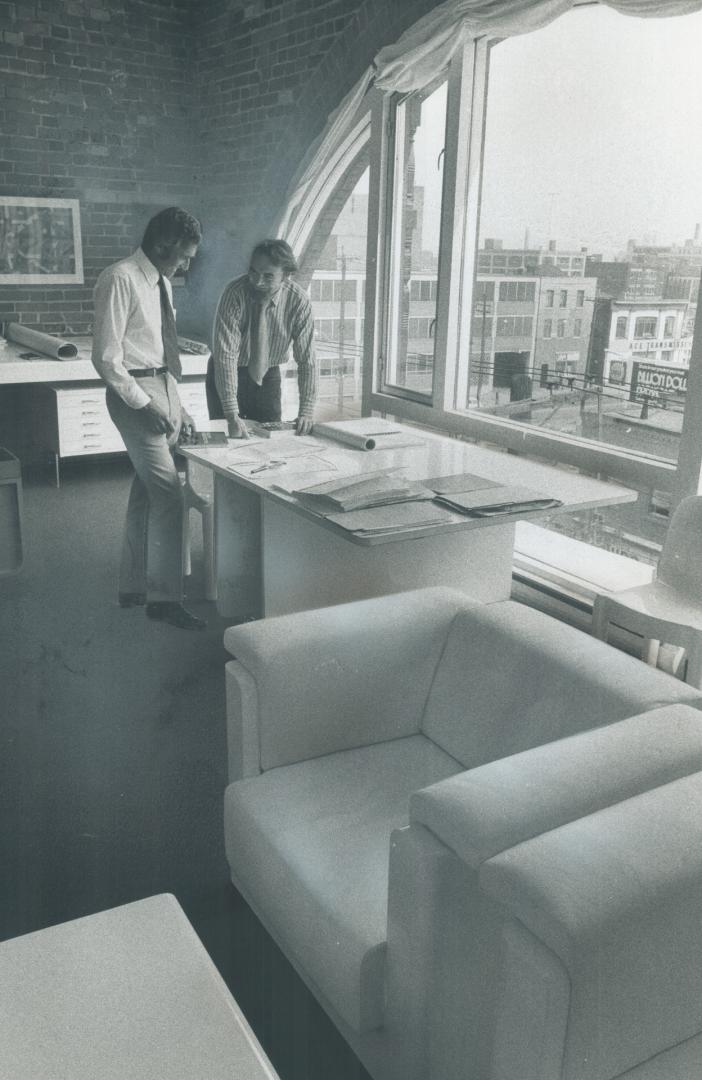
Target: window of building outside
{"type": "Point", "coordinates": [669, 326]}
{"type": "Point", "coordinates": [645, 327]}
{"type": "Point", "coordinates": [591, 205]}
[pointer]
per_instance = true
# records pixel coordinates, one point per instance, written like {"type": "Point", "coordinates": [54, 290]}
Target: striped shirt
{"type": "Point", "coordinates": [290, 322]}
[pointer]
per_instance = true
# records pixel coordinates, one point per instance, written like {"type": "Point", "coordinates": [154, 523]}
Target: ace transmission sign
{"type": "Point", "coordinates": [652, 383]}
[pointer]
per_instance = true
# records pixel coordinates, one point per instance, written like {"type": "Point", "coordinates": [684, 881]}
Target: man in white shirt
{"type": "Point", "coordinates": [135, 352]}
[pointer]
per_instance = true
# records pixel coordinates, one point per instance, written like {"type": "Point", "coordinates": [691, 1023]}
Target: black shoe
{"type": "Point", "coordinates": [174, 613]}
{"type": "Point", "coordinates": [131, 599]}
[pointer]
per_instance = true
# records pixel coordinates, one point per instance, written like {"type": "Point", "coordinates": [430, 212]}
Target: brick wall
{"type": "Point", "coordinates": [95, 105]}
{"type": "Point", "coordinates": [132, 105]}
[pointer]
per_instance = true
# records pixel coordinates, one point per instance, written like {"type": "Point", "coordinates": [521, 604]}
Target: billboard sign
{"type": "Point", "coordinates": [650, 382]}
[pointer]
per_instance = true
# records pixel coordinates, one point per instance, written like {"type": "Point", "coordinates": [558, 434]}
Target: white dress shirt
{"type": "Point", "coordinates": [127, 325]}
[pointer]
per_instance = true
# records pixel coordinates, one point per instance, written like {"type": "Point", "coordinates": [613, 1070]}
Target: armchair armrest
{"type": "Point", "coordinates": [614, 898]}
{"type": "Point", "coordinates": [315, 682]}
{"type": "Point", "coordinates": [497, 806]}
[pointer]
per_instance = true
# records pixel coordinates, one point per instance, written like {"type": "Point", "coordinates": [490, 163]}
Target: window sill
{"type": "Point", "coordinates": [570, 571]}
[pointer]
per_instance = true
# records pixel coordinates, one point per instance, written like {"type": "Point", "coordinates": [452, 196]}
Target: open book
{"type": "Point", "coordinates": [367, 433]}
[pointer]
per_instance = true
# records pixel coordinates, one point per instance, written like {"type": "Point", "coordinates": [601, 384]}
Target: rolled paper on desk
{"type": "Point", "coordinates": [56, 347]}
{"type": "Point", "coordinates": [359, 440]}
{"type": "Point", "coordinates": [367, 433]}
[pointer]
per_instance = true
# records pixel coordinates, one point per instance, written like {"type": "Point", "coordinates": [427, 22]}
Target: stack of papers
{"type": "Point", "coordinates": [487, 502]}
{"type": "Point", "coordinates": [396, 518]}
{"type": "Point", "coordinates": [373, 489]}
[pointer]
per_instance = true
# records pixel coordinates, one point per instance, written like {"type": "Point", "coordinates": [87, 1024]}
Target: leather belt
{"type": "Point", "coordinates": [145, 372]}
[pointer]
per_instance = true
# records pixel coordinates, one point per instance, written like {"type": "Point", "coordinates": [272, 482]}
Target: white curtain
{"type": "Point", "coordinates": [426, 48]}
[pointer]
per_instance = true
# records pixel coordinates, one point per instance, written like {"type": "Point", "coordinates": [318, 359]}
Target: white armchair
{"type": "Point", "coordinates": [339, 718]}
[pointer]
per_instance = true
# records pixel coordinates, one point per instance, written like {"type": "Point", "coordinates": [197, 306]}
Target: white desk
{"type": "Point", "coordinates": [128, 994]}
{"type": "Point", "coordinates": [273, 556]}
{"type": "Point", "coordinates": [15, 371]}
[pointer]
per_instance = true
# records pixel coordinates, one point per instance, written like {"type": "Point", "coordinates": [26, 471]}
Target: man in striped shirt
{"type": "Point", "coordinates": [259, 316]}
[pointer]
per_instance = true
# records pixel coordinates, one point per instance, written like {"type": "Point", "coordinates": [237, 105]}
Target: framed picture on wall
{"type": "Point", "coordinates": [40, 242]}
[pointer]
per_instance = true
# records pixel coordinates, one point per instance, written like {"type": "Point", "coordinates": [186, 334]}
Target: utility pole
{"type": "Point", "coordinates": [342, 316]}
{"type": "Point", "coordinates": [479, 386]}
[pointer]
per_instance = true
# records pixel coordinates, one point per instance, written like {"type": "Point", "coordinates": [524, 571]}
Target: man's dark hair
{"type": "Point", "coordinates": [279, 252]}
{"type": "Point", "coordinates": [171, 226]}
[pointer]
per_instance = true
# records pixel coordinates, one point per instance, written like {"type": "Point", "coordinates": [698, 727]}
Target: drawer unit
{"type": "Point", "coordinates": [83, 423]}
{"type": "Point", "coordinates": [75, 420]}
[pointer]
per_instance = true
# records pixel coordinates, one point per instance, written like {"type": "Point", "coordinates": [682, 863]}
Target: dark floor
{"type": "Point", "coordinates": [112, 760]}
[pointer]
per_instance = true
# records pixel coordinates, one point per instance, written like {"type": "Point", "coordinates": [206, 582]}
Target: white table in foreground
{"type": "Point", "coordinates": [128, 994]}
{"type": "Point", "coordinates": [274, 556]}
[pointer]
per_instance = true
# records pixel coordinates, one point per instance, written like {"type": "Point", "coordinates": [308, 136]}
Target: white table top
{"type": "Point", "coordinates": [15, 370]}
{"type": "Point", "coordinates": [127, 994]}
{"type": "Point", "coordinates": [437, 455]}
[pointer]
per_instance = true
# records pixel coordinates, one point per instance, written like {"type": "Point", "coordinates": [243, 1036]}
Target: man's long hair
{"type": "Point", "coordinates": [171, 226]}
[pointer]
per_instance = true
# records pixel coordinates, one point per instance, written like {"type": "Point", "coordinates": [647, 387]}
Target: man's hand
{"type": "Point", "coordinates": [303, 426]}
{"type": "Point", "coordinates": [237, 428]}
{"type": "Point", "coordinates": [188, 426]}
{"type": "Point", "coordinates": [157, 419]}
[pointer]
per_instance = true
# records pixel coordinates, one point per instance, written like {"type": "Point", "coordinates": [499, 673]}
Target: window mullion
{"type": "Point", "coordinates": [466, 125]}
{"type": "Point", "coordinates": [452, 230]}
{"type": "Point", "coordinates": [374, 333]}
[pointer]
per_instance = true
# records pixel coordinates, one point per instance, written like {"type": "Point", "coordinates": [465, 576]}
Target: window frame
{"type": "Point", "coordinates": [468, 74]}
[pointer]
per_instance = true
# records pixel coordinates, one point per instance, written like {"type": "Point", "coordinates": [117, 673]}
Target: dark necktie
{"type": "Point", "coordinates": [171, 352]}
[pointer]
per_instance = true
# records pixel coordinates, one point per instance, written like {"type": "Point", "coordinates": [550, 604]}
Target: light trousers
{"type": "Point", "coordinates": [152, 549]}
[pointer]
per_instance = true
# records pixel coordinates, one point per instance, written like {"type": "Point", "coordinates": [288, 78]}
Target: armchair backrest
{"type": "Point", "coordinates": [511, 678]}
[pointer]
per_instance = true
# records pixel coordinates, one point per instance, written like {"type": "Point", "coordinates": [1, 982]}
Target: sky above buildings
{"type": "Point", "coordinates": [594, 134]}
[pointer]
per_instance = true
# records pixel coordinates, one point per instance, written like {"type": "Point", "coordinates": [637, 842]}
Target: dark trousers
{"type": "Point", "coordinates": [262, 403]}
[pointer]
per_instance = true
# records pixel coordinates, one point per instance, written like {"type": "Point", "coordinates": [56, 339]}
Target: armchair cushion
{"type": "Point", "coordinates": [308, 844]}
{"type": "Point", "coordinates": [511, 678]}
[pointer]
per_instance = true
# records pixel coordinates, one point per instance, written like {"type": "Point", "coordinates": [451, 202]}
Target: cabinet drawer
{"type": "Point", "coordinates": [91, 444]}
{"type": "Point", "coordinates": [75, 400]}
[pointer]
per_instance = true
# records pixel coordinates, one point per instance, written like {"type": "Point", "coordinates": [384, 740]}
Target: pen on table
{"type": "Point", "coordinates": [268, 465]}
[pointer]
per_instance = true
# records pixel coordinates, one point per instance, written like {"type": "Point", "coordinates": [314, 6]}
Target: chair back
{"type": "Point", "coordinates": [680, 564]}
